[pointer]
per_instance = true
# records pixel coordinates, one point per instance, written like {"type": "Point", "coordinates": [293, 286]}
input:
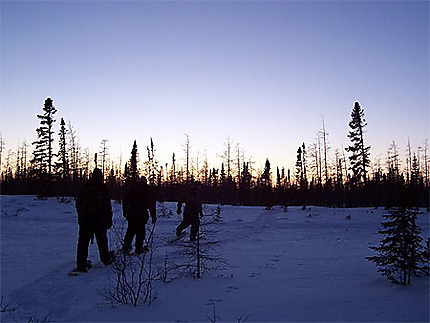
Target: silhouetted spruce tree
{"type": "Point", "coordinates": [133, 171]}
{"type": "Point", "coordinates": [401, 253]}
{"type": "Point", "coordinates": [222, 175]}
{"type": "Point", "coordinates": [151, 165]}
{"type": "Point", "coordinates": [415, 172]}
{"type": "Point", "coordinates": [42, 154]}
{"type": "Point", "coordinates": [359, 158]}
{"type": "Point", "coordinates": [278, 178]}
{"type": "Point", "coordinates": [265, 179]}
{"type": "Point", "coordinates": [213, 177]}
{"type": "Point", "coordinates": [299, 168]}
{"type": "Point", "coordinates": [246, 178]}
{"type": "Point", "coordinates": [63, 161]}
{"type": "Point", "coordinates": [126, 171]}
{"type": "Point", "coordinates": [266, 186]}
{"type": "Point", "coordinates": [305, 177]}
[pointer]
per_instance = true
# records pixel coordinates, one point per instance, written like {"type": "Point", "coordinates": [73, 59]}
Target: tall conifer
{"type": "Point", "coordinates": [42, 154]}
{"type": "Point", "coordinates": [63, 161]}
{"type": "Point", "coordinates": [359, 158]}
{"type": "Point", "coordinates": [133, 171]}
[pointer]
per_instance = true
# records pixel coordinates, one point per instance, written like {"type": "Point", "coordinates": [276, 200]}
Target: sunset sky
{"type": "Point", "coordinates": [262, 73]}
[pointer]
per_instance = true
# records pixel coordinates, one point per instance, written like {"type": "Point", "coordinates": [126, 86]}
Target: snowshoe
{"type": "Point", "coordinates": [178, 237]}
{"type": "Point", "coordinates": [79, 271]}
{"type": "Point", "coordinates": [142, 250]}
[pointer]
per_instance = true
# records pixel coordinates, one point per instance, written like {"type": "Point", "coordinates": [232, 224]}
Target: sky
{"type": "Point", "coordinates": [262, 73]}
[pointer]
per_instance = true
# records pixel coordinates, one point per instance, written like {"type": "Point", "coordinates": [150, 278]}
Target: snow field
{"type": "Point", "coordinates": [281, 266]}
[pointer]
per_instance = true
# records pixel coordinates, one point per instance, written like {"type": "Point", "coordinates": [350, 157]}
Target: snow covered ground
{"type": "Point", "coordinates": [281, 266]}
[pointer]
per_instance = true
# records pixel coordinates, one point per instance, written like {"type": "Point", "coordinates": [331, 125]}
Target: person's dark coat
{"type": "Point", "coordinates": [193, 205]}
{"type": "Point", "coordinates": [93, 204]}
{"type": "Point", "coordinates": [138, 202]}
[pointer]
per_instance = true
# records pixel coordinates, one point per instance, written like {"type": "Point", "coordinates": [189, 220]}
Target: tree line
{"type": "Point", "coordinates": [348, 178]}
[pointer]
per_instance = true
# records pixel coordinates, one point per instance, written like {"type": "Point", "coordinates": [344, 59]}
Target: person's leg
{"type": "Point", "coordinates": [182, 226]}
{"type": "Point", "coordinates": [140, 236]}
{"type": "Point", "coordinates": [102, 244]}
{"type": "Point", "coordinates": [84, 238]}
{"type": "Point", "coordinates": [129, 235]}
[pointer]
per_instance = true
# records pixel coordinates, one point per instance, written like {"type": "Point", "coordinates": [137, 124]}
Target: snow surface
{"type": "Point", "coordinates": [281, 266]}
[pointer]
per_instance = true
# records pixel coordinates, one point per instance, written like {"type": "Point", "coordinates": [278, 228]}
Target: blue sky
{"type": "Point", "coordinates": [262, 73]}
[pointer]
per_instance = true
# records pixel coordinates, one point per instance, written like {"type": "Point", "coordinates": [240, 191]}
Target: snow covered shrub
{"type": "Point", "coordinates": [400, 253]}
{"type": "Point", "coordinates": [197, 257]}
{"type": "Point", "coordinates": [132, 278]}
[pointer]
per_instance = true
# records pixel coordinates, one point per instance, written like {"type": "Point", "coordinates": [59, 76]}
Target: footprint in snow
{"type": "Point", "coordinates": [231, 289]}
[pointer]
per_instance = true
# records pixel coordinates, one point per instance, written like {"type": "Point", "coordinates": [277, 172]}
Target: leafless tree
{"type": "Point", "coordinates": [324, 135]}
{"type": "Point", "coordinates": [133, 276]}
{"type": "Point", "coordinates": [187, 150]}
{"type": "Point", "coordinates": [104, 155]}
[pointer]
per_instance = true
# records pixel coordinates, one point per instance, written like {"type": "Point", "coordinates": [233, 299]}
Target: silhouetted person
{"type": "Point", "coordinates": [136, 206]}
{"type": "Point", "coordinates": [193, 209]}
{"type": "Point", "coordinates": [94, 218]}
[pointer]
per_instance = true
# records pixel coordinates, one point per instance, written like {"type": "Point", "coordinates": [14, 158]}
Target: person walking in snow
{"type": "Point", "coordinates": [94, 210]}
{"type": "Point", "coordinates": [192, 210]}
{"type": "Point", "coordinates": [135, 205]}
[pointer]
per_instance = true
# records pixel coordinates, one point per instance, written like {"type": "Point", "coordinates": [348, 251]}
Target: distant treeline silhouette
{"type": "Point", "coordinates": [376, 192]}
{"type": "Point", "coordinates": [345, 182]}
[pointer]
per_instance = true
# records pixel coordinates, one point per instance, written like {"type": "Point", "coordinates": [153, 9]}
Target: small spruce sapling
{"type": "Point", "coordinates": [401, 252]}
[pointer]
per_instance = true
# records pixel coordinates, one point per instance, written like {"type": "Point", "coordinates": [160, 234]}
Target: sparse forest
{"type": "Point", "coordinates": [321, 176]}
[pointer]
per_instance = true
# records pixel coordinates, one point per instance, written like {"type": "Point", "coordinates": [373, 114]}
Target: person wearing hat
{"type": "Point", "coordinates": [94, 209]}
{"type": "Point", "coordinates": [136, 206]}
